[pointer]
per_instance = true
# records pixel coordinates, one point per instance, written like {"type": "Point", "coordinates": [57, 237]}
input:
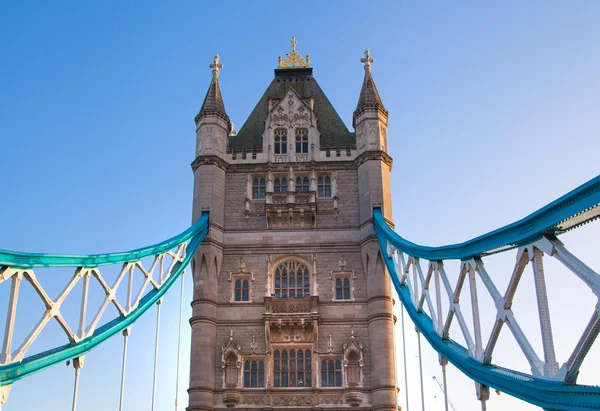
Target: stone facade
{"type": "Point", "coordinates": [291, 303]}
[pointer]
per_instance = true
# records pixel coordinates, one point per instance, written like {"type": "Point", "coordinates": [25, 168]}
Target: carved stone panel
{"type": "Point", "coordinates": [292, 400]}
{"type": "Point", "coordinates": [291, 332]}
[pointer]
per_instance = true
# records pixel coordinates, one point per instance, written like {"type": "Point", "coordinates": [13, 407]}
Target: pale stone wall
{"type": "Point", "coordinates": [239, 230]}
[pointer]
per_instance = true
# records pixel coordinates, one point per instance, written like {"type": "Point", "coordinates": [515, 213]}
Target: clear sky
{"type": "Point", "coordinates": [494, 111]}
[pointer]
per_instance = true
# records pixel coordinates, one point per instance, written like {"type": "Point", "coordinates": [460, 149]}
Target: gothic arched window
{"type": "Point", "coordinates": [280, 141]}
{"type": "Point", "coordinates": [280, 185]}
{"type": "Point", "coordinates": [331, 373]}
{"type": "Point", "coordinates": [293, 368]}
{"type": "Point", "coordinates": [259, 189]}
{"type": "Point", "coordinates": [324, 186]}
{"type": "Point", "coordinates": [292, 279]}
{"type": "Point", "coordinates": [254, 374]}
{"type": "Point", "coordinates": [302, 185]}
{"type": "Point", "coordinates": [301, 140]}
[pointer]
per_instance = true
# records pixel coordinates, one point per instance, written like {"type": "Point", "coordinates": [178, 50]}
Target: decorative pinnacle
{"type": "Point", "coordinates": [216, 66]}
{"type": "Point", "coordinates": [367, 60]}
{"type": "Point", "coordinates": [294, 59]}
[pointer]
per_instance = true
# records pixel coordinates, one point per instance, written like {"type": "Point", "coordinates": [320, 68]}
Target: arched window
{"type": "Point", "coordinates": [280, 185]}
{"type": "Point", "coordinates": [302, 185]}
{"type": "Point", "coordinates": [254, 373]}
{"type": "Point", "coordinates": [301, 140]}
{"type": "Point", "coordinates": [293, 368]}
{"type": "Point", "coordinates": [324, 186]}
{"type": "Point", "coordinates": [280, 141]}
{"type": "Point", "coordinates": [331, 373]}
{"type": "Point", "coordinates": [259, 189]}
{"type": "Point", "coordinates": [292, 279]}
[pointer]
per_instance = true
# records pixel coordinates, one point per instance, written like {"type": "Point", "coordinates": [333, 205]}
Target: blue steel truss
{"type": "Point", "coordinates": [538, 231]}
{"type": "Point", "coordinates": [13, 264]}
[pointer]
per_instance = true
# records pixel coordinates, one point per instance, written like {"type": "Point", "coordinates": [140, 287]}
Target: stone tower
{"type": "Point", "coordinates": [291, 303]}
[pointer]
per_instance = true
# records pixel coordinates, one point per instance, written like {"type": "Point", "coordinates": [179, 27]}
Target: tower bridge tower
{"type": "Point", "coordinates": [291, 304]}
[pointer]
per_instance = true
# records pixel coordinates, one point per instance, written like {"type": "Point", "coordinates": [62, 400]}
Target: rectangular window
{"type": "Point", "coordinates": [324, 186]}
{"type": "Point", "coordinates": [343, 287]}
{"type": "Point", "coordinates": [295, 369]}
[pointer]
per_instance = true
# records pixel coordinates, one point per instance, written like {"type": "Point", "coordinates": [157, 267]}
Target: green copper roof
{"type": "Point", "coordinates": [333, 130]}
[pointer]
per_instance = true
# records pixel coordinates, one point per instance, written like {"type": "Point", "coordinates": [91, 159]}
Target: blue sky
{"type": "Point", "coordinates": [494, 111]}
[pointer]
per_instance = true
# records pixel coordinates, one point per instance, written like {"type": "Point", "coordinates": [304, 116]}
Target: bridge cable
{"type": "Point", "coordinates": [392, 303]}
{"type": "Point", "coordinates": [158, 304]}
{"type": "Point", "coordinates": [404, 352]}
{"type": "Point", "coordinates": [444, 363]}
{"type": "Point", "coordinates": [421, 369]}
{"type": "Point", "coordinates": [126, 333]}
{"type": "Point", "coordinates": [179, 340]}
{"type": "Point", "coordinates": [77, 367]}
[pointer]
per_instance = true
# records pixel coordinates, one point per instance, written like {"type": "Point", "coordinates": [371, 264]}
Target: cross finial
{"type": "Point", "coordinates": [293, 43]}
{"type": "Point", "coordinates": [367, 60]}
{"type": "Point", "coordinates": [216, 66]}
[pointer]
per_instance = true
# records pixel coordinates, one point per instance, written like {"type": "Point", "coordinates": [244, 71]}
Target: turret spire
{"type": "Point", "coordinates": [369, 96]}
{"type": "Point", "coordinates": [213, 102]}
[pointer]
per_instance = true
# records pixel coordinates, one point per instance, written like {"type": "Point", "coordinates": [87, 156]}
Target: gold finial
{"type": "Point", "coordinates": [294, 59]}
{"type": "Point", "coordinates": [367, 60]}
{"type": "Point", "coordinates": [216, 66]}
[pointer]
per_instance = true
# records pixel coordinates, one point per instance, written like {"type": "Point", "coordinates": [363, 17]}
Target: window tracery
{"type": "Point", "coordinates": [292, 368]}
{"type": "Point", "coordinates": [302, 184]}
{"type": "Point", "coordinates": [254, 373]}
{"type": "Point", "coordinates": [292, 280]}
{"type": "Point", "coordinates": [301, 140]}
{"type": "Point", "coordinates": [280, 185]}
{"type": "Point", "coordinates": [280, 141]}
{"type": "Point", "coordinates": [241, 283]}
{"type": "Point", "coordinates": [331, 372]}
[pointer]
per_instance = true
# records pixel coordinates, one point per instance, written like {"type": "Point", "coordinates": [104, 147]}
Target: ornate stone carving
{"type": "Point", "coordinates": [331, 399]}
{"type": "Point", "coordinates": [255, 400]}
{"type": "Point", "coordinates": [292, 400]}
{"type": "Point", "coordinates": [353, 397]}
{"type": "Point", "coordinates": [231, 397]}
{"type": "Point", "coordinates": [292, 308]}
{"type": "Point", "coordinates": [301, 118]}
{"type": "Point", "coordinates": [291, 333]}
{"type": "Point", "coordinates": [280, 118]}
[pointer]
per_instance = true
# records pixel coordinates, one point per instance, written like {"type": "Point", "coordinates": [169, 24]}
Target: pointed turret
{"type": "Point", "coordinates": [369, 98]}
{"type": "Point", "coordinates": [212, 122]}
{"type": "Point", "coordinates": [370, 117]}
{"type": "Point", "coordinates": [213, 102]}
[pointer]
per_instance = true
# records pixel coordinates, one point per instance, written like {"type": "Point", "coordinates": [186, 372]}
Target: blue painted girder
{"type": "Point", "coordinates": [549, 220]}
{"type": "Point", "coordinates": [16, 371]}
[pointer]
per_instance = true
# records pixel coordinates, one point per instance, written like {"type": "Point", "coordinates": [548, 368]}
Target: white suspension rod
{"type": "Point", "coordinates": [404, 352]}
{"type": "Point", "coordinates": [158, 304]}
{"type": "Point", "coordinates": [393, 342]}
{"type": "Point", "coordinates": [421, 371]}
{"type": "Point", "coordinates": [445, 383]}
{"type": "Point", "coordinates": [75, 389]}
{"type": "Point", "coordinates": [179, 340]}
{"type": "Point", "coordinates": [126, 333]}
